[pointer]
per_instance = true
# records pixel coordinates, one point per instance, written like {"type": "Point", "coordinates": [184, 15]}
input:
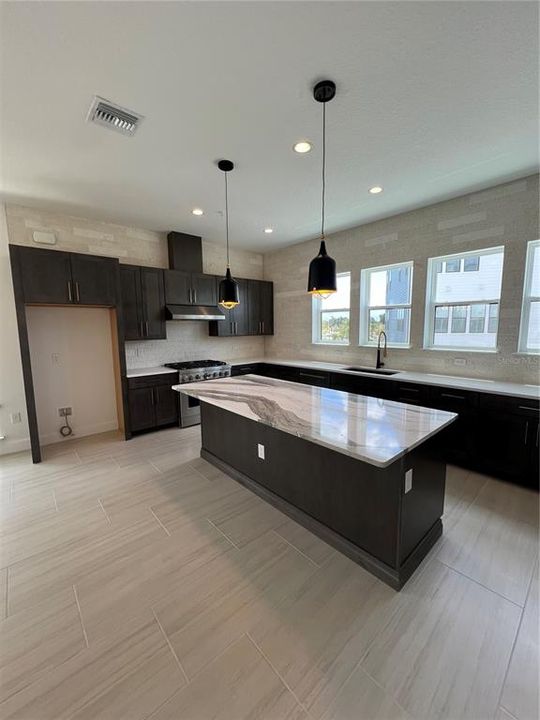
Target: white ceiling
{"type": "Point", "coordinates": [434, 99]}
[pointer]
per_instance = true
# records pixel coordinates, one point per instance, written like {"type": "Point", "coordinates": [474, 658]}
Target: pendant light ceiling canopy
{"type": "Point", "coordinates": [322, 278]}
{"type": "Point", "coordinates": [228, 296]}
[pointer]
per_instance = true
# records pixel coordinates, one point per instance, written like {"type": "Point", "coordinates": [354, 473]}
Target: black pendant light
{"type": "Point", "coordinates": [228, 296]}
{"type": "Point", "coordinates": [322, 280]}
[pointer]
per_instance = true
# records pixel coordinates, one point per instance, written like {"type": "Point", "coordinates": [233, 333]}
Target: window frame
{"type": "Point", "coordinates": [527, 301]}
{"type": "Point", "coordinates": [431, 305]}
{"type": "Point", "coordinates": [317, 313]}
{"type": "Point", "coordinates": [365, 308]}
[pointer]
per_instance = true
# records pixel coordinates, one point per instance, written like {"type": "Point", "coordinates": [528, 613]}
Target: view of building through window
{"type": "Point", "coordinates": [530, 316]}
{"type": "Point", "coordinates": [385, 304]}
{"type": "Point", "coordinates": [332, 316]}
{"type": "Point", "coordinates": [463, 300]}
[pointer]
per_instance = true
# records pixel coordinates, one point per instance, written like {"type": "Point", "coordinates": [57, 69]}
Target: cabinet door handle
{"type": "Point", "coordinates": [526, 432]}
{"type": "Point", "coordinates": [70, 296]}
{"type": "Point", "coordinates": [146, 326]}
{"type": "Point", "coordinates": [235, 328]}
{"type": "Point", "coordinates": [156, 390]}
{"type": "Point", "coordinates": [190, 296]}
{"type": "Point", "coordinates": [77, 293]}
{"type": "Point", "coordinates": [153, 398]}
{"type": "Point", "coordinates": [528, 407]}
{"type": "Point", "coordinates": [262, 326]}
{"type": "Point", "coordinates": [194, 296]}
{"type": "Point", "coordinates": [408, 389]}
{"type": "Point", "coordinates": [452, 395]}
{"type": "Point", "coordinates": [311, 375]}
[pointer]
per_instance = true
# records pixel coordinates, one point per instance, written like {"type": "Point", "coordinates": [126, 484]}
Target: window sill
{"type": "Point", "coordinates": [483, 351]}
{"type": "Point", "coordinates": [530, 353]}
{"type": "Point", "coordinates": [388, 345]}
{"type": "Point", "coordinates": [331, 344]}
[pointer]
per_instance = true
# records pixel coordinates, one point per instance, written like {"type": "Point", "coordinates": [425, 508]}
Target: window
{"type": "Point", "coordinates": [471, 264]}
{"type": "Point", "coordinates": [462, 303]}
{"type": "Point", "coordinates": [385, 304]}
{"type": "Point", "coordinates": [331, 317]}
{"type": "Point", "coordinates": [529, 334]}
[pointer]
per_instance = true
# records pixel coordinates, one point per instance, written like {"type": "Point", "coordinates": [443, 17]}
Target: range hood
{"type": "Point", "coordinates": [193, 312]}
{"type": "Point", "coordinates": [185, 254]}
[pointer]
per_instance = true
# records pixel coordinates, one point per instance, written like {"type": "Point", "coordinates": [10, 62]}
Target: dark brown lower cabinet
{"type": "Point", "coordinates": [493, 434]}
{"type": "Point", "coordinates": [152, 402]}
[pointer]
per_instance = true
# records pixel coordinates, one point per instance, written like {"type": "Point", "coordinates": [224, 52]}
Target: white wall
{"type": "Point", "coordinates": [72, 365]}
{"type": "Point", "coordinates": [12, 400]}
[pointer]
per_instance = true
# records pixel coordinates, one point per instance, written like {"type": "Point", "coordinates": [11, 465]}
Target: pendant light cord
{"type": "Point", "coordinates": [323, 167]}
{"type": "Point", "coordinates": [227, 217]}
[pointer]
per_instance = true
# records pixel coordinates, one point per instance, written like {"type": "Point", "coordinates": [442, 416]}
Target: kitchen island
{"type": "Point", "coordinates": [358, 471]}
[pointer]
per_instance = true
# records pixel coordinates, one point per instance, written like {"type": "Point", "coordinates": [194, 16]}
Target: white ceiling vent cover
{"type": "Point", "coordinates": [105, 113]}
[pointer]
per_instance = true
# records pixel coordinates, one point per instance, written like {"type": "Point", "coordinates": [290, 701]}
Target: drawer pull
{"type": "Point", "coordinates": [453, 396]}
{"type": "Point", "coordinates": [528, 407]}
{"type": "Point", "coordinates": [409, 389]}
{"type": "Point", "coordinates": [311, 375]}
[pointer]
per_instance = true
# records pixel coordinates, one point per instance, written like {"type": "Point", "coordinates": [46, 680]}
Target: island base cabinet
{"type": "Point", "coordinates": [386, 519]}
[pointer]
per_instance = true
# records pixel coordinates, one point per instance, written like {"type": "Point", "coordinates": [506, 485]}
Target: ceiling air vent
{"type": "Point", "coordinates": [103, 112]}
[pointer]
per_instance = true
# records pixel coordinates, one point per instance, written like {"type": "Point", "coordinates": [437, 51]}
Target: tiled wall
{"type": "Point", "coordinates": [504, 215]}
{"type": "Point", "coordinates": [185, 340]}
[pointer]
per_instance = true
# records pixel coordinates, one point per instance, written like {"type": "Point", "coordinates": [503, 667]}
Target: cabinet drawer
{"type": "Point", "coordinates": [153, 380]}
{"type": "Point", "coordinates": [313, 377]}
{"type": "Point", "coordinates": [413, 393]}
{"type": "Point", "coordinates": [513, 405]}
{"type": "Point", "coordinates": [252, 369]}
{"type": "Point", "coordinates": [447, 398]}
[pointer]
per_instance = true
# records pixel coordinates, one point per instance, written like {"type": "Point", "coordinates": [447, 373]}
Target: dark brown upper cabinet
{"type": "Point", "coordinates": [143, 302]}
{"type": "Point", "coordinates": [185, 288]}
{"type": "Point", "coordinates": [261, 307]}
{"type": "Point", "coordinates": [61, 278]}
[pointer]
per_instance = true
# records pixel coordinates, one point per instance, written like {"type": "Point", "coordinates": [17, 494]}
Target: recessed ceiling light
{"type": "Point", "coordinates": [302, 147]}
{"type": "Point", "coordinates": [375, 190]}
{"type": "Point", "coordinates": [197, 211]}
{"type": "Point", "coordinates": [268, 230]}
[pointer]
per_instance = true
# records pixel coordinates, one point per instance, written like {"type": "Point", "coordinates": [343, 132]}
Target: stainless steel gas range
{"type": "Point", "coordinates": [195, 371]}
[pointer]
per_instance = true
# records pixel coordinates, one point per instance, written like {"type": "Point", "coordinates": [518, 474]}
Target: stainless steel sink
{"type": "Point", "coordinates": [376, 371]}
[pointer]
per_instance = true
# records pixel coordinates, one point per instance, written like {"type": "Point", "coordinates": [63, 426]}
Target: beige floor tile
{"type": "Point", "coordinates": [249, 520]}
{"type": "Point", "coordinates": [35, 641]}
{"type": "Point", "coordinates": [240, 685]}
{"type": "Point", "coordinates": [128, 588]}
{"type": "Point", "coordinates": [40, 576]}
{"type": "Point", "coordinates": [317, 636]}
{"type": "Point", "coordinates": [126, 680]}
{"type": "Point", "coordinates": [495, 541]}
{"type": "Point", "coordinates": [444, 650]}
{"type": "Point", "coordinates": [3, 593]}
{"type": "Point", "coordinates": [262, 575]}
{"type": "Point", "coordinates": [462, 487]}
{"type": "Point", "coordinates": [306, 542]}
{"type": "Point", "coordinates": [361, 698]}
{"type": "Point", "coordinates": [520, 693]}
{"type": "Point", "coordinates": [49, 530]}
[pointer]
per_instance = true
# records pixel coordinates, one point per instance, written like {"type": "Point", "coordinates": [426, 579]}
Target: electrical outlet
{"type": "Point", "coordinates": [260, 451]}
{"type": "Point", "coordinates": [460, 361]}
{"type": "Point", "coordinates": [408, 480]}
{"type": "Point", "coordinates": [55, 359]}
{"type": "Point", "coordinates": [15, 418]}
{"type": "Point", "coordinates": [64, 412]}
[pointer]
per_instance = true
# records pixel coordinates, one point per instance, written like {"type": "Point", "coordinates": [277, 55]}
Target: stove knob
{"type": "Point", "coordinates": [190, 378]}
{"type": "Point", "coordinates": [197, 377]}
{"type": "Point", "coordinates": [215, 374]}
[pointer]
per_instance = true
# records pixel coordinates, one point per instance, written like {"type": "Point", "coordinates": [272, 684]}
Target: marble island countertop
{"type": "Point", "coordinates": [372, 430]}
{"type": "Point", "coordinates": [497, 387]}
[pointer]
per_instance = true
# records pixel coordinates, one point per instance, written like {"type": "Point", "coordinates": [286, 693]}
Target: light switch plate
{"type": "Point", "coordinates": [260, 451]}
{"type": "Point", "coordinates": [408, 480]}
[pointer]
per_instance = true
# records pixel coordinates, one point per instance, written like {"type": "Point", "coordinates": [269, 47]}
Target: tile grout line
{"type": "Point", "coordinates": [55, 501]}
{"type": "Point", "coordinates": [379, 685]}
{"type": "Point", "coordinates": [222, 533]}
{"type": "Point", "coordinates": [184, 673]}
{"type": "Point", "coordinates": [511, 654]}
{"type": "Point", "coordinates": [510, 715]}
{"type": "Point", "coordinates": [155, 467]}
{"type": "Point", "coordinates": [104, 511]}
{"type": "Point", "coordinates": [274, 669]}
{"type": "Point", "coordinates": [477, 582]}
{"type": "Point", "coordinates": [297, 549]}
{"type": "Point", "coordinates": [159, 521]}
{"type": "Point", "coordinates": [80, 616]}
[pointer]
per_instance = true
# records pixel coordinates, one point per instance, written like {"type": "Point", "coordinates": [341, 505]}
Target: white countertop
{"type": "Point", "coordinates": [141, 372]}
{"type": "Point", "coordinates": [369, 429]}
{"type": "Point", "coordinates": [497, 387]}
